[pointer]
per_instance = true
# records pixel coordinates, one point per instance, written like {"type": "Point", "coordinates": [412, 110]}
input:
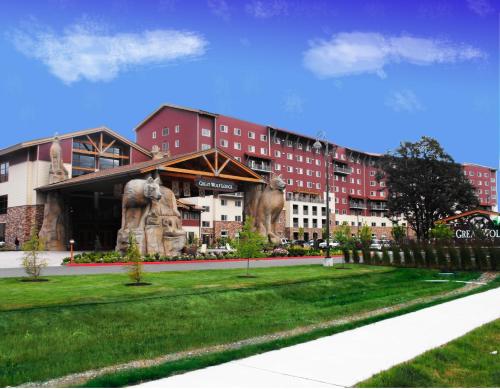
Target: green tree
{"type": "Point", "coordinates": [343, 236]}
{"type": "Point", "coordinates": [441, 233]}
{"type": "Point", "coordinates": [250, 243]}
{"type": "Point", "coordinates": [365, 238]}
{"type": "Point", "coordinates": [133, 255]}
{"type": "Point", "coordinates": [425, 184]}
{"type": "Point", "coordinates": [32, 261]}
{"type": "Point", "coordinates": [398, 233]}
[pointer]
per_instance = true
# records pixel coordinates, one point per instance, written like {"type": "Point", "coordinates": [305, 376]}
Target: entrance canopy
{"type": "Point", "coordinates": [189, 175]}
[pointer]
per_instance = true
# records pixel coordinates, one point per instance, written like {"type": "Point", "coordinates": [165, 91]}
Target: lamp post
{"type": "Point", "coordinates": [318, 145]}
{"type": "Point", "coordinates": [71, 243]}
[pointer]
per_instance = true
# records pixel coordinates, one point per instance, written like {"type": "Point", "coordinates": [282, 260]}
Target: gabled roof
{"type": "Point", "coordinates": [166, 105]}
{"type": "Point", "coordinates": [468, 213]}
{"type": "Point", "coordinates": [73, 134]}
{"type": "Point", "coordinates": [211, 163]}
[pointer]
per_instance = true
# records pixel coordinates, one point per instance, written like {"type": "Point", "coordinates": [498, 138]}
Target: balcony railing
{"type": "Point", "coordinates": [260, 166]}
{"type": "Point", "coordinates": [341, 169]}
{"type": "Point", "coordinates": [378, 207]}
{"type": "Point", "coordinates": [357, 205]}
{"type": "Point", "coordinates": [306, 199]}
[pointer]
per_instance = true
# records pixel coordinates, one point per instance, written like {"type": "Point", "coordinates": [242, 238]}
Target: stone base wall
{"type": "Point", "coordinates": [231, 227]}
{"type": "Point", "coordinates": [19, 222]}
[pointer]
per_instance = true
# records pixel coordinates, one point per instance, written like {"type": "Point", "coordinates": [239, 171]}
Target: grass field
{"type": "Point", "coordinates": [465, 362]}
{"type": "Point", "coordinates": [73, 324]}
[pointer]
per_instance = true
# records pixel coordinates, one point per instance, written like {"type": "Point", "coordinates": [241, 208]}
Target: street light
{"type": "Point", "coordinates": [71, 243]}
{"type": "Point", "coordinates": [318, 145]}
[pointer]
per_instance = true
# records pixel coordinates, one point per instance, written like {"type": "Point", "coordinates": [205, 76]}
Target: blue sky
{"type": "Point", "coordinates": [369, 73]}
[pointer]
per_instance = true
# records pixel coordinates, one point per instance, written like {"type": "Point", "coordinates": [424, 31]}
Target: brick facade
{"type": "Point", "coordinates": [19, 222]}
{"type": "Point", "coordinates": [231, 227]}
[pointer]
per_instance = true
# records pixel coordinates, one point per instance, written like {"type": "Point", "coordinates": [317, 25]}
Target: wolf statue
{"type": "Point", "coordinates": [264, 204]}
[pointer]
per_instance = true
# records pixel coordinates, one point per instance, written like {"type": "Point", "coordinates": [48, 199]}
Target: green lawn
{"type": "Point", "coordinates": [73, 324]}
{"type": "Point", "coordinates": [465, 362]}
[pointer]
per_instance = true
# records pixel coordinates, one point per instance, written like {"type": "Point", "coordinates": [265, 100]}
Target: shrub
{"type": "Point", "coordinates": [454, 257]}
{"type": "Point", "coordinates": [429, 256]}
{"type": "Point", "coordinates": [494, 253]}
{"type": "Point", "coordinates": [480, 258]}
{"type": "Point", "coordinates": [32, 262]}
{"type": "Point", "coordinates": [355, 255]}
{"type": "Point", "coordinates": [278, 252]}
{"type": "Point", "coordinates": [418, 259]}
{"type": "Point", "coordinates": [465, 257]}
{"type": "Point", "coordinates": [441, 233]}
{"type": "Point", "coordinates": [396, 256]}
{"type": "Point", "coordinates": [135, 268]}
{"type": "Point", "coordinates": [297, 251]}
{"type": "Point", "coordinates": [398, 233]}
{"type": "Point", "coordinates": [442, 260]}
{"type": "Point", "coordinates": [408, 257]}
{"type": "Point", "coordinates": [386, 259]}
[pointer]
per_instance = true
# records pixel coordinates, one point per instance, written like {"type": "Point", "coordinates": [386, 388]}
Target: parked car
{"type": "Point", "coordinates": [376, 244]}
{"type": "Point", "coordinates": [333, 243]}
{"type": "Point", "coordinates": [284, 242]}
{"type": "Point", "coordinates": [300, 242]}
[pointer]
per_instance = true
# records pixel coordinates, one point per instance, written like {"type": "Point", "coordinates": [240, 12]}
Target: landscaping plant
{"type": "Point", "coordinates": [135, 267]}
{"type": "Point", "coordinates": [250, 244]}
{"type": "Point", "coordinates": [32, 261]}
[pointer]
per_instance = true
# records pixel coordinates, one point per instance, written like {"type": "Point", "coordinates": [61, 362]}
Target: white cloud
{"type": "Point", "coordinates": [480, 7]}
{"type": "Point", "coordinates": [364, 52]}
{"type": "Point", "coordinates": [88, 52]}
{"type": "Point", "coordinates": [404, 100]}
{"type": "Point", "coordinates": [219, 8]}
{"type": "Point", "coordinates": [261, 9]}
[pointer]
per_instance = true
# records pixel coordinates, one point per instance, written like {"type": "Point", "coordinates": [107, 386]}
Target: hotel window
{"type": "Point", "coordinates": [205, 223]}
{"type": "Point", "coordinates": [374, 224]}
{"type": "Point", "coordinates": [352, 191]}
{"type": "Point", "coordinates": [277, 153]}
{"type": "Point", "coordinates": [204, 146]}
{"type": "Point", "coordinates": [318, 162]}
{"type": "Point", "coordinates": [263, 151]}
{"type": "Point", "coordinates": [2, 232]}
{"type": "Point", "coordinates": [299, 146]}
{"type": "Point", "coordinates": [177, 128]}
{"type": "Point", "coordinates": [471, 174]}
{"type": "Point", "coordinates": [251, 134]}
{"type": "Point", "coordinates": [277, 141]}
{"type": "Point", "coordinates": [336, 188]}
{"type": "Point", "coordinates": [4, 172]}
{"type": "Point", "coordinates": [298, 158]}
{"type": "Point", "coordinates": [344, 212]}
{"type": "Point", "coordinates": [237, 131]}
{"type": "Point", "coordinates": [237, 203]}
{"type": "Point", "coordinates": [479, 174]}
{"type": "Point", "coordinates": [382, 183]}
{"type": "Point", "coordinates": [223, 218]}
{"type": "Point", "coordinates": [289, 156]}
{"type": "Point", "coordinates": [223, 202]}
{"type": "Point", "coordinates": [372, 173]}
{"type": "Point", "coordinates": [308, 160]}
{"type": "Point", "coordinates": [358, 171]}
{"type": "Point", "coordinates": [289, 169]}
{"type": "Point", "coordinates": [359, 192]}
{"type": "Point", "coordinates": [206, 132]}
{"type": "Point", "coordinates": [223, 128]}
{"type": "Point", "coordinates": [343, 190]}
{"type": "Point", "coordinates": [308, 147]}
{"type": "Point", "coordinates": [318, 173]}
{"type": "Point", "coordinates": [164, 132]}
{"type": "Point", "coordinates": [372, 183]}
{"type": "Point", "coordinates": [289, 143]}
{"type": "Point", "coordinates": [263, 138]}
{"type": "Point", "coordinates": [352, 180]}
{"type": "Point", "coordinates": [289, 181]}
{"type": "Point", "coordinates": [3, 204]}
{"type": "Point", "coordinates": [108, 163]}
{"type": "Point", "coordinates": [337, 200]}
{"type": "Point", "coordinates": [480, 182]}
{"type": "Point", "coordinates": [309, 172]}
{"type": "Point", "coordinates": [251, 148]}
{"type": "Point", "coordinates": [277, 166]}
{"type": "Point", "coordinates": [300, 183]}
{"type": "Point", "coordinates": [382, 194]}
{"type": "Point", "coordinates": [299, 170]}
{"type": "Point", "coordinates": [492, 179]}
{"type": "Point", "coordinates": [344, 179]}
{"type": "Point", "coordinates": [177, 143]}
{"type": "Point", "coordinates": [237, 218]}
{"type": "Point", "coordinates": [153, 134]}
{"type": "Point", "coordinates": [237, 146]}
{"type": "Point", "coordinates": [309, 184]}
{"type": "Point", "coordinates": [344, 201]}
{"type": "Point", "coordinates": [342, 156]}
{"type": "Point", "coordinates": [318, 185]}
{"type": "Point", "coordinates": [486, 183]}
{"type": "Point", "coordinates": [164, 146]}
{"type": "Point", "coordinates": [373, 193]}
{"type": "Point", "coordinates": [224, 143]}
{"type": "Point", "coordinates": [85, 161]}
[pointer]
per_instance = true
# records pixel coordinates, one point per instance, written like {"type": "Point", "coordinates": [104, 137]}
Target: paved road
{"type": "Point", "coordinates": [344, 359]}
{"type": "Point", "coordinates": [65, 270]}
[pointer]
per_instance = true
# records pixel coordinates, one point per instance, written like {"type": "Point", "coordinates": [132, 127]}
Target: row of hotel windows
{"type": "Point", "coordinates": [479, 174]}
{"type": "Point", "coordinates": [480, 183]}
{"type": "Point", "coordinates": [165, 131]}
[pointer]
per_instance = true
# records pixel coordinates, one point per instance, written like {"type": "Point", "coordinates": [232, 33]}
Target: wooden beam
{"type": "Point", "coordinates": [223, 166]}
{"type": "Point", "coordinates": [101, 142]}
{"type": "Point", "coordinates": [208, 174]}
{"type": "Point", "coordinates": [108, 146]}
{"type": "Point", "coordinates": [216, 161]}
{"type": "Point", "coordinates": [209, 164]}
{"type": "Point", "coordinates": [92, 143]}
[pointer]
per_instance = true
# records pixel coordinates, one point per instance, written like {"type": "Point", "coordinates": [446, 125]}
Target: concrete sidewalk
{"type": "Point", "coordinates": [344, 359]}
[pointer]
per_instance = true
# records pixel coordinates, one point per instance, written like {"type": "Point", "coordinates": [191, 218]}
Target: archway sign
{"type": "Point", "coordinates": [475, 224]}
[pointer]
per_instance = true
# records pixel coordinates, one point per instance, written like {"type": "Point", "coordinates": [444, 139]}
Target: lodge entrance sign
{"type": "Point", "coordinates": [215, 184]}
{"type": "Point", "coordinates": [477, 224]}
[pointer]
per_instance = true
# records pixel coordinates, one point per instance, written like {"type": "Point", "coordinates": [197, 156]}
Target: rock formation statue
{"type": "Point", "coordinates": [57, 171]}
{"type": "Point", "coordinates": [54, 227]}
{"type": "Point", "coordinates": [149, 212]}
{"type": "Point", "coordinates": [265, 204]}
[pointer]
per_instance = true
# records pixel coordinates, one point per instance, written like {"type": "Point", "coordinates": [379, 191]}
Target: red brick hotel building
{"type": "Point", "coordinates": [357, 197]}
